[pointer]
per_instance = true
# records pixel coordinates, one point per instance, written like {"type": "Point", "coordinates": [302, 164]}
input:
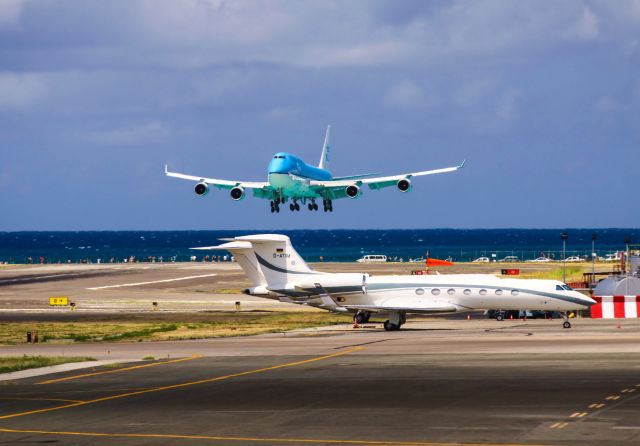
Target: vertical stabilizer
{"type": "Point", "coordinates": [243, 253]}
{"type": "Point", "coordinates": [279, 262]}
{"type": "Point", "coordinates": [324, 159]}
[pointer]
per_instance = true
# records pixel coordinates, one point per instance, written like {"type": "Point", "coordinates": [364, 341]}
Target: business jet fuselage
{"type": "Point", "coordinates": [292, 180]}
{"type": "Point", "coordinates": [277, 271]}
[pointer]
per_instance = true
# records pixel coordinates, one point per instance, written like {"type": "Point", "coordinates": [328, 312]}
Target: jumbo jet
{"type": "Point", "coordinates": [291, 179]}
{"type": "Point", "coordinates": [277, 271]}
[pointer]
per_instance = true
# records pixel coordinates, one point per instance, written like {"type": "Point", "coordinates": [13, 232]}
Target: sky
{"type": "Point", "coordinates": [541, 98]}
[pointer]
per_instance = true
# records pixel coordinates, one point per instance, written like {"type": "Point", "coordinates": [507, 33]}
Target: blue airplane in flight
{"type": "Point", "coordinates": [292, 180]}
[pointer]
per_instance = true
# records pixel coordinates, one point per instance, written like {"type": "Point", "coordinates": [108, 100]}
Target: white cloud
{"type": "Point", "coordinates": [10, 12]}
{"type": "Point", "coordinates": [586, 27]}
{"type": "Point", "coordinates": [471, 92]}
{"type": "Point", "coordinates": [405, 94]}
{"type": "Point", "coordinates": [607, 104]}
{"type": "Point", "coordinates": [20, 91]}
{"type": "Point", "coordinates": [506, 103]}
{"type": "Point", "coordinates": [149, 133]}
{"type": "Point", "coordinates": [280, 113]}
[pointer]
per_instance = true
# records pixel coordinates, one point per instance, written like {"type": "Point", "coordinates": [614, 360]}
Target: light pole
{"type": "Point", "coordinates": [627, 242]}
{"type": "Point", "coordinates": [593, 257]}
{"type": "Point", "coordinates": [564, 236]}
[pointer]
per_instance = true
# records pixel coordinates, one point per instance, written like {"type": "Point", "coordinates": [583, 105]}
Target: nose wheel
{"type": "Point", "coordinates": [566, 323]}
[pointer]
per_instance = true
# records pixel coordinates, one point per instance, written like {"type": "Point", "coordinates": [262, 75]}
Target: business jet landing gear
{"type": "Point", "coordinates": [313, 206]}
{"type": "Point", "coordinates": [294, 206]}
{"type": "Point", "coordinates": [328, 205]}
{"type": "Point", "coordinates": [395, 321]}
{"type": "Point", "coordinates": [361, 317]}
{"type": "Point", "coordinates": [566, 323]}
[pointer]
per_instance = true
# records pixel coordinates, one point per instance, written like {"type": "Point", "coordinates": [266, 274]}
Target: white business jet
{"type": "Point", "coordinates": [277, 271]}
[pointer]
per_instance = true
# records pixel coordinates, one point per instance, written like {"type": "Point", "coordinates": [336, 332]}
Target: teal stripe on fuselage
{"type": "Point", "coordinates": [285, 163]}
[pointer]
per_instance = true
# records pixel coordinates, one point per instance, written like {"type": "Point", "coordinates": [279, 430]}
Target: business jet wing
{"type": "Point", "coordinates": [338, 185]}
{"type": "Point", "coordinates": [448, 308]}
{"type": "Point", "coordinates": [221, 184]}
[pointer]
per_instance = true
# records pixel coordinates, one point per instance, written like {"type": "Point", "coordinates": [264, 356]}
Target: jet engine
{"type": "Point", "coordinates": [237, 193]}
{"type": "Point", "coordinates": [202, 189]}
{"type": "Point", "coordinates": [404, 185]}
{"type": "Point", "coordinates": [353, 191]}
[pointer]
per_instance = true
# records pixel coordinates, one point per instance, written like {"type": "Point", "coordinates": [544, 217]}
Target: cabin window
{"type": "Point", "coordinates": [435, 291]}
{"type": "Point", "coordinates": [499, 292]}
{"type": "Point", "coordinates": [419, 291]}
{"type": "Point", "coordinates": [451, 291]}
{"type": "Point", "coordinates": [483, 292]}
{"type": "Point", "coordinates": [467, 291]}
{"type": "Point", "coordinates": [515, 292]}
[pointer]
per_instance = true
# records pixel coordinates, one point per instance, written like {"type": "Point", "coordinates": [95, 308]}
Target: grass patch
{"type": "Point", "coordinates": [574, 274]}
{"type": "Point", "coordinates": [15, 363]}
{"type": "Point", "coordinates": [217, 324]}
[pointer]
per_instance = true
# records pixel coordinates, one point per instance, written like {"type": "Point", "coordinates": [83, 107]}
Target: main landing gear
{"type": "Point", "coordinates": [295, 205]}
{"type": "Point", "coordinates": [361, 317]}
{"type": "Point", "coordinates": [275, 205]}
{"type": "Point", "coordinates": [395, 321]}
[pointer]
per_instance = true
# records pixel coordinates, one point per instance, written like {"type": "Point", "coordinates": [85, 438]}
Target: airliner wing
{"type": "Point", "coordinates": [221, 184]}
{"type": "Point", "coordinates": [380, 182]}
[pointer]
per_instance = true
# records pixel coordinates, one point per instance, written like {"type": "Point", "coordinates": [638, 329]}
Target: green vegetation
{"type": "Point", "coordinates": [180, 327]}
{"type": "Point", "coordinates": [15, 363]}
{"type": "Point", "coordinates": [574, 274]}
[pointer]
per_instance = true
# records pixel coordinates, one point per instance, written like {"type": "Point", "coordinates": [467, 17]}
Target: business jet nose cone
{"type": "Point", "coordinates": [585, 300]}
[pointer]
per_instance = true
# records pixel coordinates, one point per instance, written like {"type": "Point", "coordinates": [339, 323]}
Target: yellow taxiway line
{"type": "Point", "coordinates": [85, 375]}
{"type": "Point", "coordinates": [181, 385]}
{"type": "Point", "coordinates": [256, 439]}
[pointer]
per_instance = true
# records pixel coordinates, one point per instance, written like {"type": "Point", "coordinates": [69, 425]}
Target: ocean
{"type": "Point", "coordinates": [313, 245]}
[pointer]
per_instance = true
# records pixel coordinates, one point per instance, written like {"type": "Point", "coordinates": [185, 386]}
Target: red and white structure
{"type": "Point", "coordinates": [617, 298]}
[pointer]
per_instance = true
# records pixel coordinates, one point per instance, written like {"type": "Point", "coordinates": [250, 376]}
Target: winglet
{"type": "Point", "coordinates": [462, 164]}
{"type": "Point", "coordinates": [166, 169]}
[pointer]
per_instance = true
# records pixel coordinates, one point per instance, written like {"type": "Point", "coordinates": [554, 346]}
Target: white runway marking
{"type": "Point", "coordinates": [147, 283]}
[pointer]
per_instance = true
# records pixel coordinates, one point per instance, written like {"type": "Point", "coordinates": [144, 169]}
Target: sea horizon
{"type": "Point", "coordinates": [341, 245]}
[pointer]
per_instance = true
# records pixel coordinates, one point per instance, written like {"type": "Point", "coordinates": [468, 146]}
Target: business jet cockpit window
{"type": "Point", "coordinates": [563, 288]}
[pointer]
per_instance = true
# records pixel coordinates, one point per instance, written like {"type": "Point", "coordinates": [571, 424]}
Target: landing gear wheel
{"type": "Point", "coordinates": [361, 317]}
{"type": "Point", "coordinates": [499, 317]}
{"type": "Point", "coordinates": [390, 327]}
{"type": "Point", "coordinates": [291, 207]}
{"type": "Point", "coordinates": [566, 324]}
{"type": "Point", "coordinates": [310, 206]}
{"type": "Point", "coordinates": [296, 206]}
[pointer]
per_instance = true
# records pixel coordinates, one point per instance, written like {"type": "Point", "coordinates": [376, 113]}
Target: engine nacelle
{"type": "Point", "coordinates": [201, 189]}
{"type": "Point", "coordinates": [353, 191]}
{"type": "Point", "coordinates": [237, 193]}
{"type": "Point", "coordinates": [404, 185]}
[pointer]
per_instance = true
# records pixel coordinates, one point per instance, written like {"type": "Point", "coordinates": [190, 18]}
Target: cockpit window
{"type": "Point", "coordinates": [563, 288]}
{"type": "Point", "coordinates": [559, 288]}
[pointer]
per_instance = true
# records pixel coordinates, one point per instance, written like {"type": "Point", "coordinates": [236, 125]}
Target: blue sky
{"type": "Point", "coordinates": [541, 98]}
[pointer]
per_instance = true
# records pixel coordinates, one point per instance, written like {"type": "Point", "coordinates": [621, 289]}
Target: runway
{"type": "Point", "coordinates": [471, 382]}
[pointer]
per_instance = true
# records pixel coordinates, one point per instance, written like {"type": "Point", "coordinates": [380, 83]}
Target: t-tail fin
{"type": "Point", "coordinates": [243, 253]}
{"type": "Point", "coordinates": [279, 262]}
{"type": "Point", "coordinates": [324, 159]}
